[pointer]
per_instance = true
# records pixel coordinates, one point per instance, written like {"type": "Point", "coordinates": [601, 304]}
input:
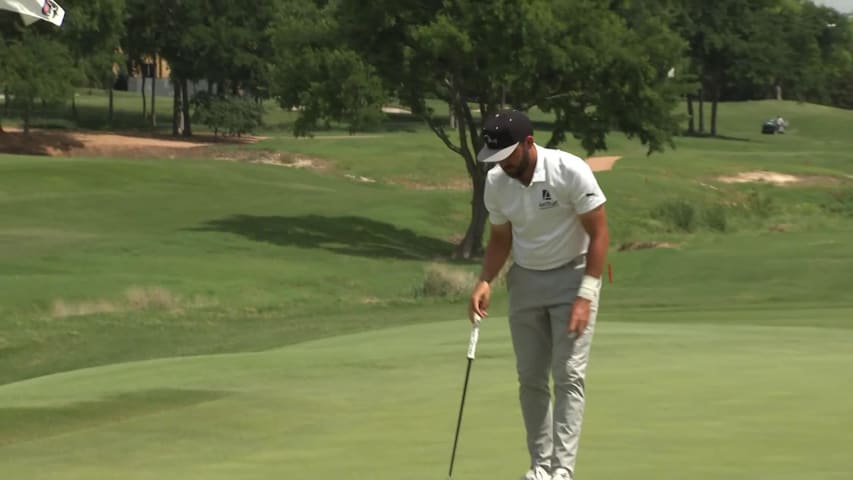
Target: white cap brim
{"type": "Point", "coordinates": [490, 155]}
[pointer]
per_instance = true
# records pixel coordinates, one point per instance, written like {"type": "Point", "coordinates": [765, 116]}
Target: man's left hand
{"type": "Point", "coordinates": [579, 317]}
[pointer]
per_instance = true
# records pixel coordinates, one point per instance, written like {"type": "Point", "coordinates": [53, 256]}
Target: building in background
{"type": "Point", "coordinates": [155, 68]}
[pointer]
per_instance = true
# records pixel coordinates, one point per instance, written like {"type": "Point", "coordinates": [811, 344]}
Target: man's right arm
{"type": "Point", "coordinates": [497, 251]}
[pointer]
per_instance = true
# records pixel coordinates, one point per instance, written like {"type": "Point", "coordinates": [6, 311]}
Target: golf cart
{"type": "Point", "coordinates": [769, 127]}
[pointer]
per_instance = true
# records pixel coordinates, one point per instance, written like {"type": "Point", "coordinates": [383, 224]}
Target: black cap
{"type": "Point", "coordinates": [502, 133]}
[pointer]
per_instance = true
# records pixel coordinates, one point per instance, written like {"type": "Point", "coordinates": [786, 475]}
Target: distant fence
{"type": "Point", "coordinates": [163, 86]}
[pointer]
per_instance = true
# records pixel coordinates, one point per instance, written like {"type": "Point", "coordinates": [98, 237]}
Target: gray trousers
{"type": "Point", "coordinates": [540, 302]}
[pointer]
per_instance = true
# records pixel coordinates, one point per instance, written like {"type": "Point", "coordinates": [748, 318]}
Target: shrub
{"type": "Point", "coordinates": [840, 203]}
{"type": "Point", "coordinates": [677, 214]}
{"type": "Point", "coordinates": [445, 282]}
{"type": "Point", "coordinates": [715, 217]}
{"type": "Point", "coordinates": [760, 204]}
{"type": "Point", "coordinates": [227, 114]}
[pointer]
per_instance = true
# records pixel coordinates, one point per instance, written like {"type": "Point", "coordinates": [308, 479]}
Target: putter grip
{"type": "Point", "coordinates": [475, 335]}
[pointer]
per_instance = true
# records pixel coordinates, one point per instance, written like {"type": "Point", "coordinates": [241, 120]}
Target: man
{"type": "Point", "coordinates": [780, 124]}
{"type": "Point", "coordinates": [546, 206]}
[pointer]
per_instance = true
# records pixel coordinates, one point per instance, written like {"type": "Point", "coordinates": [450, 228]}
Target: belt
{"type": "Point", "coordinates": [577, 262]}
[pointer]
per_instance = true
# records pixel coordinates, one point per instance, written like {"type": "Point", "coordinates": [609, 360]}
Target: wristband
{"type": "Point", "coordinates": [590, 287]}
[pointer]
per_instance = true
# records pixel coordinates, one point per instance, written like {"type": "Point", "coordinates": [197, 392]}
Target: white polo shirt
{"type": "Point", "coordinates": [546, 230]}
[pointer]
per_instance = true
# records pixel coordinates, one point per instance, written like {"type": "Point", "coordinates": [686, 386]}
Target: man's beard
{"type": "Point", "coordinates": [518, 171]}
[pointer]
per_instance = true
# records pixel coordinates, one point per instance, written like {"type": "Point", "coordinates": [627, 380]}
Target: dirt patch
{"type": "Point", "coordinates": [776, 178]}
{"type": "Point", "coordinates": [395, 110]}
{"type": "Point", "coordinates": [59, 143]}
{"type": "Point", "coordinates": [340, 137]}
{"type": "Point", "coordinates": [359, 178]}
{"type": "Point", "coordinates": [629, 246]}
{"type": "Point", "coordinates": [268, 157]}
{"type": "Point", "coordinates": [455, 184]}
{"type": "Point", "coordinates": [600, 164]}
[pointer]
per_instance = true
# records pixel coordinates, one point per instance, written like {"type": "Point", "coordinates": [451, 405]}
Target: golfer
{"type": "Point", "coordinates": [547, 208]}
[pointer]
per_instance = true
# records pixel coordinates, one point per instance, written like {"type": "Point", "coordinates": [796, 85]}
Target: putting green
{"type": "Point", "coordinates": [665, 401]}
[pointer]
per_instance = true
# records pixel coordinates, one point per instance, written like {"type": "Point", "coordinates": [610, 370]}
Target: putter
{"type": "Point", "coordinates": [472, 348]}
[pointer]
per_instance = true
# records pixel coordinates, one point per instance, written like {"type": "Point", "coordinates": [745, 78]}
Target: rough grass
{"type": "Point", "coordinates": [293, 254]}
{"type": "Point", "coordinates": [134, 299]}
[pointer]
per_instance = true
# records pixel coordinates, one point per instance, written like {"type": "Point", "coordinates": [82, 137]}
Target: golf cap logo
{"type": "Point", "coordinates": [491, 141]}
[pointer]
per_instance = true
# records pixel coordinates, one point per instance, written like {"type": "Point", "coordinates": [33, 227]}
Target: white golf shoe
{"type": "Point", "coordinates": [561, 474]}
{"type": "Point", "coordinates": [536, 473]}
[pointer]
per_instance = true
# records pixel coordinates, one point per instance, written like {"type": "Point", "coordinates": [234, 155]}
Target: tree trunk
{"type": "Point", "coordinates": [701, 111]}
{"type": "Point", "coordinates": [112, 109]}
{"type": "Point", "coordinates": [714, 101]}
{"type": "Point", "coordinates": [144, 102]}
{"type": "Point", "coordinates": [714, 117]}
{"type": "Point", "coordinates": [188, 131]}
{"type": "Point", "coordinates": [153, 96]}
{"type": "Point", "coordinates": [177, 115]}
{"type": "Point", "coordinates": [74, 114]}
{"type": "Point", "coordinates": [691, 125]}
{"type": "Point", "coordinates": [5, 101]}
{"type": "Point", "coordinates": [778, 92]}
{"type": "Point", "coordinates": [28, 105]}
{"type": "Point", "coordinates": [472, 245]}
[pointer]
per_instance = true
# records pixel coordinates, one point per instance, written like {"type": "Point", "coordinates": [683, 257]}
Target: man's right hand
{"type": "Point", "coordinates": [480, 297]}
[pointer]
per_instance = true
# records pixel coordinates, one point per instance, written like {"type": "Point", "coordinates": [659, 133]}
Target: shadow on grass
{"type": "Point", "coordinates": [37, 143]}
{"type": "Point", "coordinates": [19, 424]}
{"type": "Point", "coordinates": [344, 235]}
{"type": "Point", "coordinates": [715, 137]}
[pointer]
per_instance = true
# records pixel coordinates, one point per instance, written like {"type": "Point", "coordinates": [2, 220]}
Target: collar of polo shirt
{"type": "Point", "coordinates": [538, 169]}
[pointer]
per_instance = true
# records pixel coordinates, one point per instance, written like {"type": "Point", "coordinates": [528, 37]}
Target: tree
{"type": "Point", "coordinates": [316, 74]}
{"type": "Point", "coordinates": [36, 66]}
{"type": "Point", "coordinates": [579, 60]}
{"type": "Point", "coordinates": [716, 39]}
{"type": "Point", "coordinates": [92, 31]}
{"type": "Point", "coordinates": [213, 40]}
{"type": "Point", "coordinates": [3, 89]}
{"type": "Point", "coordinates": [143, 39]}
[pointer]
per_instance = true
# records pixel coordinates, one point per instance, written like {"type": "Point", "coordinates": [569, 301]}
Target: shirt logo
{"type": "Point", "coordinates": [547, 201]}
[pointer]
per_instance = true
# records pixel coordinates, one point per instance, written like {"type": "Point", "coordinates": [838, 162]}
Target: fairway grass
{"type": "Point", "coordinates": [195, 319]}
{"type": "Point", "coordinates": [665, 401]}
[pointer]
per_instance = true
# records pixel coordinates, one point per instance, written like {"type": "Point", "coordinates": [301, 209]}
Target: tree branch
{"type": "Point", "coordinates": [439, 131]}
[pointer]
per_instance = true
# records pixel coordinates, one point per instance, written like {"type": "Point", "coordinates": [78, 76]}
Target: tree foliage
{"type": "Point", "coordinates": [36, 65]}
{"type": "Point", "coordinates": [227, 114]}
{"type": "Point", "coordinates": [594, 66]}
{"type": "Point", "coordinates": [577, 59]}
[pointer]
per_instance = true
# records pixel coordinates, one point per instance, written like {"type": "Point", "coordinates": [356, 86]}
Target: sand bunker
{"type": "Point", "coordinates": [600, 164]}
{"type": "Point", "coordinates": [776, 178]}
{"type": "Point", "coordinates": [761, 176]}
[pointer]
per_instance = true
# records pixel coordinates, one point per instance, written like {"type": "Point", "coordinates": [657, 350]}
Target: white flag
{"type": "Point", "coordinates": [34, 10]}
